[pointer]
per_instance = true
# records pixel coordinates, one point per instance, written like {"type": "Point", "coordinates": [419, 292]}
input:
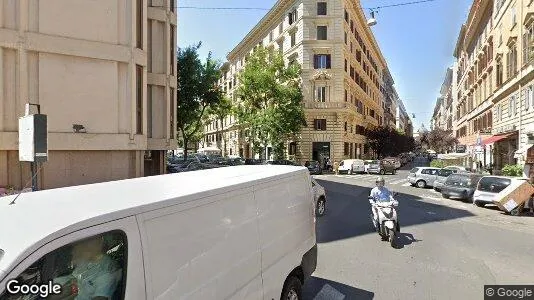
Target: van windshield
{"type": "Point", "coordinates": [493, 184]}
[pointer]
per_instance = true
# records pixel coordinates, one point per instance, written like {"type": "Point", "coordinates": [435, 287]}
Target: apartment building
{"type": "Point", "coordinates": [513, 96]}
{"type": "Point", "coordinates": [403, 122]}
{"type": "Point", "coordinates": [442, 116]}
{"type": "Point", "coordinates": [106, 66]}
{"type": "Point", "coordinates": [343, 74]}
{"type": "Point", "coordinates": [475, 80]}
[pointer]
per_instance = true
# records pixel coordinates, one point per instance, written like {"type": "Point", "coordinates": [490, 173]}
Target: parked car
{"type": "Point", "coordinates": [442, 177]}
{"type": "Point", "coordinates": [319, 195]}
{"type": "Point", "coordinates": [460, 185]}
{"type": "Point", "coordinates": [253, 161]}
{"type": "Point", "coordinates": [283, 162]}
{"type": "Point", "coordinates": [358, 166]}
{"type": "Point", "coordinates": [382, 167]}
{"type": "Point", "coordinates": [423, 177]}
{"type": "Point", "coordinates": [488, 188]}
{"type": "Point", "coordinates": [254, 237]}
{"type": "Point", "coordinates": [395, 161]}
{"type": "Point", "coordinates": [345, 166]}
{"type": "Point", "coordinates": [457, 168]}
{"type": "Point", "coordinates": [314, 167]}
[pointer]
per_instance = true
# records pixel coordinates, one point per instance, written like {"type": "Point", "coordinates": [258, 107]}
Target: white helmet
{"type": "Point", "coordinates": [380, 179]}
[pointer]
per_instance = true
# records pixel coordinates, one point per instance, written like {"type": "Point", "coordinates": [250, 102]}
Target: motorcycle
{"type": "Point", "coordinates": [388, 226]}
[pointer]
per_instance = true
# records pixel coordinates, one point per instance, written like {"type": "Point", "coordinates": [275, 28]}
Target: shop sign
{"type": "Point", "coordinates": [460, 148]}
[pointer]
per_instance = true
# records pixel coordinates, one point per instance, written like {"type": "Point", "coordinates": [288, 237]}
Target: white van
{"type": "Point", "coordinates": [246, 232]}
{"type": "Point", "coordinates": [351, 166]}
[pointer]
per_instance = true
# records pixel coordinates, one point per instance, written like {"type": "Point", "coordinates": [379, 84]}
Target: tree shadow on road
{"type": "Point", "coordinates": [349, 212]}
{"type": "Point", "coordinates": [323, 289]}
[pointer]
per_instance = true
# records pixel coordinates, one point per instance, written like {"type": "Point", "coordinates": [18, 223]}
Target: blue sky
{"type": "Point", "coordinates": [416, 40]}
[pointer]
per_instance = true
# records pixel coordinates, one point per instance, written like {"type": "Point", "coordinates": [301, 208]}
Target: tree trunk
{"type": "Point", "coordinates": [186, 140]}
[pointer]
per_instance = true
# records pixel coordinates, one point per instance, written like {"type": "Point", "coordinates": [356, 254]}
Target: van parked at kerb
{"type": "Point", "coordinates": [246, 232]}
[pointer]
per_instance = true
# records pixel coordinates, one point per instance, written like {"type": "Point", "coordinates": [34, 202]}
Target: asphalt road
{"type": "Point", "coordinates": [447, 249]}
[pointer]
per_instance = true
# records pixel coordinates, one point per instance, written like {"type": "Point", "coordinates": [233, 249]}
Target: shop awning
{"type": "Point", "coordinates": [496, 138]}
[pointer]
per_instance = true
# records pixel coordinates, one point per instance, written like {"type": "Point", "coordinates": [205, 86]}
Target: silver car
{"type": "Point", "coordinates": [423, 177]}
{"type": "Point", "coordinates": [319, 194]}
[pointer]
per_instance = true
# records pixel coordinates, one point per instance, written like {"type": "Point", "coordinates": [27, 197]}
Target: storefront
{"type": "Point", "coordinates": [502, 148]}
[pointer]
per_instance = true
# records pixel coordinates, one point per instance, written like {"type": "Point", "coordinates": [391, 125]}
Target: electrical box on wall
{"type": "Point", "coordinates": [33, 138]}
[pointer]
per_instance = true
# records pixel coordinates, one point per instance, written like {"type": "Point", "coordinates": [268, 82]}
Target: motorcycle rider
{"type": "Point", "coordinates": [380, 193]}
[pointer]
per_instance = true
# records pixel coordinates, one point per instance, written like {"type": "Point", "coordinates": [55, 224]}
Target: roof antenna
{"type": "Point", "coordinates": [27, 185]}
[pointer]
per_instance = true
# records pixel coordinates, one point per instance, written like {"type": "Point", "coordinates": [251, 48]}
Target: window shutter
{"type": "Point", "coordinates": [328, 61]}
{"type": "Point", "coordinates": [316, 61]}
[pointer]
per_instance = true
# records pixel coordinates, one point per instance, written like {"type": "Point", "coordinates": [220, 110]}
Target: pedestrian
{"type": "Point", "coordinates": [336, 167]}
{"type": "Point", "coordinates": [328, 164]}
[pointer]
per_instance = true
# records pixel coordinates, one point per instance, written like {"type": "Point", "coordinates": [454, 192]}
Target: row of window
{"type": "Point", "coordinates": [514, 105]}
{"type": "Point", "coordinates": [355, 150]}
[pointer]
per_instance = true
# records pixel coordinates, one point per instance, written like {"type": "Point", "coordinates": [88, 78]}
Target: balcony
{"type": "Point", "coordinates": [325, 105]}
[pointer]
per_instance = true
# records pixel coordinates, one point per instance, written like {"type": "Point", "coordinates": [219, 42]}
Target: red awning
{"type": "Point", "coordinates": [496, 138]}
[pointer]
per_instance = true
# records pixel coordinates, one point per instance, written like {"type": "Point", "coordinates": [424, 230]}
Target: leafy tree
{"type": "Point", "coordinates": [220, 111]}
{"type": "Point", "coordinates": [270, 99]}
{"type": "Point", "coordinates": [387, 141]}
{"type": "Point", "coordinates": [197, 91]}
{"type": "Point", "coordinates": [438, 140]}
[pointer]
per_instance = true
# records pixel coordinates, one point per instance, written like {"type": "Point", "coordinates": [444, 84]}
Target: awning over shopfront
{"type": "Point", "coordinates": [496, 138]}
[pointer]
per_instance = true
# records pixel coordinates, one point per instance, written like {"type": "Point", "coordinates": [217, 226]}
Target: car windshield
{"type": "Point", "coordinates": [445, 172]}
{"type": "Point", "coordinates": [414, 170]}
{"type": "Point", "coordinates": [493, 184]}
{"type": "Point", "coordinates": [312, 163]}
{"type": "Point", "coordinates": [375, 162]}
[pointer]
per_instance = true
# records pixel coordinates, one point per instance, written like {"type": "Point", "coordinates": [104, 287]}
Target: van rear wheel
{"type": "Point", "coordinates": [292, 289]}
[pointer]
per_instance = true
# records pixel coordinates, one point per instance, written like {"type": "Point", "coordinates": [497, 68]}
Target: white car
{"type": "Point", "coordinates": [319, 195]}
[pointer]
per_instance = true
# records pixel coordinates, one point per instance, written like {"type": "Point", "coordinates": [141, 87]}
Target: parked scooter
{"type": "Point", "coordinates": [388, 226]}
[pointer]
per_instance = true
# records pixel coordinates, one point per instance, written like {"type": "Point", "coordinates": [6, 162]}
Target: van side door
{"type": "Point", "coordinates": [98, 261]}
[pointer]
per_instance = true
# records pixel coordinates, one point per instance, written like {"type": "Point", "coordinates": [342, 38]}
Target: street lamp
{"type": "Point", "coordinates": [372, 21]}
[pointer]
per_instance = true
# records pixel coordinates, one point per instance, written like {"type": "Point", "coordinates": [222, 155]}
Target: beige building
{"type": "Point", "coordinates": [513, 97]}
{"type": "Point", "coordinates": [108, 65]}
{"type": "Point", "coordinates": [343, 78]}
{"type": "Point", "coordinates": [495, 80]}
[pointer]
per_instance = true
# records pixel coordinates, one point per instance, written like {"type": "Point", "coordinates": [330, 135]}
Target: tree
{"type": "Point", "coordinates": [438, 139]}
{"type": "Point", "coordinates": [220, 111]}
{"type": "Point", "coordinates": [270, 100]}
{"type": "Point", "coordinates": [387, 141]}
{"type": "Point", "coordinates": [197, 91]}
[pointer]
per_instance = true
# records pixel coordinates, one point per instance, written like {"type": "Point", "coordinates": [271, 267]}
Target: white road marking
{"type": "Point", "coordinates": [430, 212]}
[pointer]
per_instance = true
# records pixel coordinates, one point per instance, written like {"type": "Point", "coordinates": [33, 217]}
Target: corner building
{"type": "Point", "coordinates": [343, 79]}
{"type": "Point", "coordinates": [107, 65]}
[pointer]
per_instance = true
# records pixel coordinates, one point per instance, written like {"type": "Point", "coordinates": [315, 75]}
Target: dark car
{"type": "Point", "coordinates": [443, 174]}
{"type": "Point", "coordinates": [253, 161]}
{"type": "Point", "coordinates": [314, 167]}
{"type": "Point", "coordinates": [460, 186]}
{"type": "Point", "coordinates": [284, 162]}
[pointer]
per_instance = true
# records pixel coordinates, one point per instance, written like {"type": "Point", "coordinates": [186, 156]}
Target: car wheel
{"type": "Point", "coordinates": [515, 211]}
{"type": "Point", "coordinates": [321, 207]}
{"type": "Point", "coordinates": [292, 289]}
{"type": "Point", "coordinates": [479, 204]}
{"type": "Point", "coordinates": [394, 172]}
{"type": "Point", "coordinates": [445, 196]}
{"type": "Point", "coordinates": [421, 184]}
{"type": "Point", "coordinates": [382, 172]}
